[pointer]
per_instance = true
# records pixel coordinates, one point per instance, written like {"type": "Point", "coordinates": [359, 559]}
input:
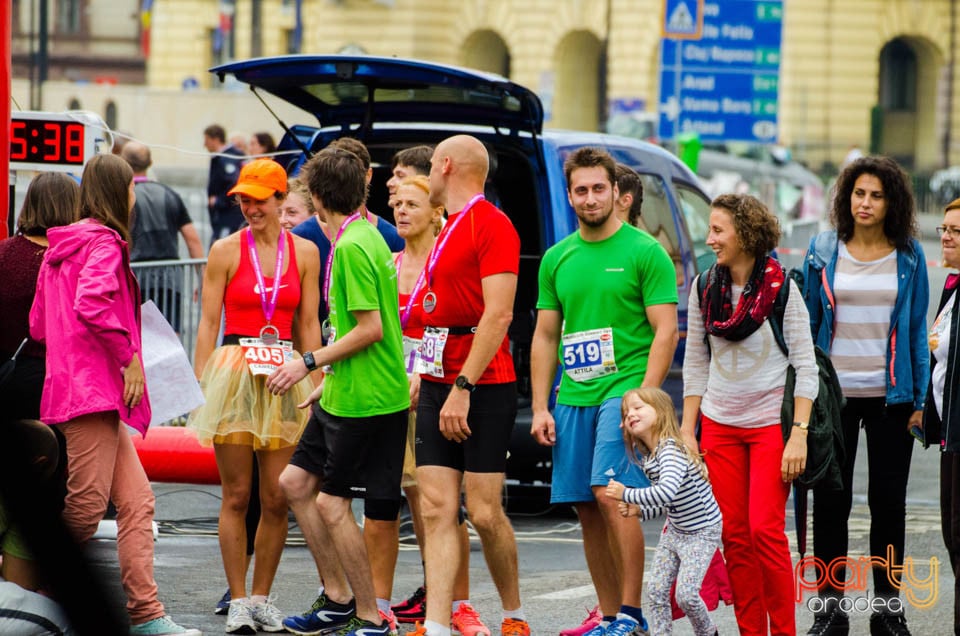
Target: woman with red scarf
{"type": "Point", "coordinates": [733, 377]}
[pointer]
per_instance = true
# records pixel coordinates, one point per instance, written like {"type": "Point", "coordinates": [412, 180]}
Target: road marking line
{"type": "Point", "coordinates": [570, 593]}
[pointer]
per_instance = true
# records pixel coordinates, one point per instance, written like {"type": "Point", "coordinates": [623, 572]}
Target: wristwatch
{"type": "Point", "coordinates": [309, 361]}
{"type": "Point", "coordinates": [803, 426]}
{"type": "Point", "coordinates": [464, 384]}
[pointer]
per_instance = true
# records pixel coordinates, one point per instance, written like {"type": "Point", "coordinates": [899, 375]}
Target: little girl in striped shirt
{"type": "Point", "coordinates": [680, 489]}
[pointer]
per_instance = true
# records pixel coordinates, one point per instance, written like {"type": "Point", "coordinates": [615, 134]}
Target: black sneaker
{"type": "Point", "coordinates": [836, 623]}
{"type": "Point", "coordinates": [322, 617]}
{"type": "Point", "coordinates": [886, 624]}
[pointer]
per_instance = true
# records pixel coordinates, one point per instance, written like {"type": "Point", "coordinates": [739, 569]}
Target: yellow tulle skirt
{"type": "Point", "coordinates": [240, 410]}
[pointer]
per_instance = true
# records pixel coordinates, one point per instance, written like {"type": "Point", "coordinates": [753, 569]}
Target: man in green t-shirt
{"type": "Point", "coordinates": [354, 442]}
{"type": "Point", "coordinates": [608, 305]}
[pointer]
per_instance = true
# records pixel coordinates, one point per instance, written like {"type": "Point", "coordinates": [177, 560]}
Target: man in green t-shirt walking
{"type": "Point", "coordinates": [608, 304]}
{"type": "Point", "coordinates": [354, 442]}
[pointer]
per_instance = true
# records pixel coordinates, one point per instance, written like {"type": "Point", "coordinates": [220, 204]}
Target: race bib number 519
{"type": "Point", "coordinates": [588, 354]}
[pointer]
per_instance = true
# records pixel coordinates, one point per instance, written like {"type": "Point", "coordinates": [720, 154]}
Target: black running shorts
{"type": "Point", "coordinates": [493, 410]}
{"type": "Point", "coordinates": [355, 457]}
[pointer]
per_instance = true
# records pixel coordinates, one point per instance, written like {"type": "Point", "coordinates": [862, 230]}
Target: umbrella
{"type": "Point", "coordinates": [800, 513]}
{"type": "Point", "coordinates": [7, 367]}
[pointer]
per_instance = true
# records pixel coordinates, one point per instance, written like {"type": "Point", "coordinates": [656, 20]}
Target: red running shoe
{"type": "Point", "coordinates": [466, 622]}
{"type": "Point", "coordinates": [414, 609]}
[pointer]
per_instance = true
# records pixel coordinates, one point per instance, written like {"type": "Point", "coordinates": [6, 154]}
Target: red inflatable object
{"type": "Point", "coordinates": [173, 454]}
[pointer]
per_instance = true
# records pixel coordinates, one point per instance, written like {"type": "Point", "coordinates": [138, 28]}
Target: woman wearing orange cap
{"type": "Point", "coordinates": [266, 281]}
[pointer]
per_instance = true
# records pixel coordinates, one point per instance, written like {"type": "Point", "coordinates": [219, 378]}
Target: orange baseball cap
{"type": "Point", "coordinates": [260, 179]}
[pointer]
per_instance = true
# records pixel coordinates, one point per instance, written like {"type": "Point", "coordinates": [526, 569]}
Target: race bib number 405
{"type": "Point", "coordinates": [263, 359]}
{"type": "Point", "coordinates": [589, 354]}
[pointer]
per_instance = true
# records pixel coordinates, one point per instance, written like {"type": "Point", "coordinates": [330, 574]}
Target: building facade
{"type": "Point", "coordinates": [878, 74]}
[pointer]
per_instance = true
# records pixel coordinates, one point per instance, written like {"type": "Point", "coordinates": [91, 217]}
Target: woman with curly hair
{"type": "Point", "coordinates": [733, 379]}
{"type": "Point", "coordinates": [866, 288]}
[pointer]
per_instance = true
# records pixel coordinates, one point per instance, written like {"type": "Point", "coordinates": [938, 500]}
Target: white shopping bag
{"type": "Point", "coordinates": [172, 386]}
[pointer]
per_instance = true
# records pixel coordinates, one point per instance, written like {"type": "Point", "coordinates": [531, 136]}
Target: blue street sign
{"type": "Point", "coordinates": [682, 19]}
{"type": "Point", "coordinates": [725, 85]}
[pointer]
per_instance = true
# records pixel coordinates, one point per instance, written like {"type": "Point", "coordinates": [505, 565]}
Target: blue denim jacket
{"type": "Point", "coordinates": [908, 355]}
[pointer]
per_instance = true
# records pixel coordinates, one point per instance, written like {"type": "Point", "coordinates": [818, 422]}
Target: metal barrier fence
{"type": "Point", "coordinates": [174, 286]}
{"type": "Point", "coordinates": [929, 195]}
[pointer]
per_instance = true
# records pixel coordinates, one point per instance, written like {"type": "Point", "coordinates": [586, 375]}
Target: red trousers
{"type": "Point", "coordinates": [744, 465]}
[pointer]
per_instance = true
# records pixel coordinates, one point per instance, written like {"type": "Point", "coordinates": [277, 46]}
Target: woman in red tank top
{"type": "Point", "coordinates": [266, 282]}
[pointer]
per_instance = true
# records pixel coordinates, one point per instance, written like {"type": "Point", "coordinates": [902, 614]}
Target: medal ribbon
{"type": "Point", "coordinates": [333, 248]}
{"type": "Point", "coordinates": [427, 272]}
{"type": "Point", "coordinates": [268, 308]}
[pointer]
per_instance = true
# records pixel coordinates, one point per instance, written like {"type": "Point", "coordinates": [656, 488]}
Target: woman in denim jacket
{"type": "Point", "coordinates": [866, 288]}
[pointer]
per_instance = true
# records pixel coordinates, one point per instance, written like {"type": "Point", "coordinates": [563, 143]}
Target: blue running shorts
{"type": "Point", "coordinates": [589, 451]}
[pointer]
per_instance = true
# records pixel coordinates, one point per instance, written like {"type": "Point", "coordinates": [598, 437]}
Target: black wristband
{"type": "Point", "coordinates": [309, 361]}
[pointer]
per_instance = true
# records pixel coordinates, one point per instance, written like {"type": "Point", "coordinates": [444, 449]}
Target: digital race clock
{"type": "Point", "coordinates": [61, 142]}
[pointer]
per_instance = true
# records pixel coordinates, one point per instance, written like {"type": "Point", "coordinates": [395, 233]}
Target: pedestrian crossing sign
{"type": "Point", "coordinates": [682, 19]}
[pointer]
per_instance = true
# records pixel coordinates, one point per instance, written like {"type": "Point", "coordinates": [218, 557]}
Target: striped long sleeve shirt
{"type": "Point", "coordinates": [678, 489]}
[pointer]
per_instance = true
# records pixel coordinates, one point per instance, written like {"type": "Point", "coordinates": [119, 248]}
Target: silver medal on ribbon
{"type": "Point", "coordinates": [269, 335]}
{"type": "Point", "coordinates": [429, 302]}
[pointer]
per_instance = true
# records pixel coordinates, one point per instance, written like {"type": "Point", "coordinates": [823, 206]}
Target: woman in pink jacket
{"type": "Point", "coordinates": [87, 313]}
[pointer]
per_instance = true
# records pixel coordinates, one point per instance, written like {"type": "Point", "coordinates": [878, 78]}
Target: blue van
{"type": "Point", "coordinates": [391, 103]}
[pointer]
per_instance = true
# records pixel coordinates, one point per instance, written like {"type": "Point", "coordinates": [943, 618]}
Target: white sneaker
{"type": "Point", "coordinates": [163, 626]}
{"type": "Point", "coordinates": [240, 618]}
{"type": "Point", "coordinates": [267, 617]}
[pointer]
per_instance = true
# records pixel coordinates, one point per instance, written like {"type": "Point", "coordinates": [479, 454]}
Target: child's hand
{"type": "Point", "coordinates": [628, 510]}
{"type": "Point", "coordinates": [615, 490]}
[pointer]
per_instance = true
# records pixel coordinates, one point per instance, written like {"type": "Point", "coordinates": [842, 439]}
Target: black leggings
{"type": "Point", "coordinates": [950, 520]}
{"type": "Point", "coordinates": [889, 446]}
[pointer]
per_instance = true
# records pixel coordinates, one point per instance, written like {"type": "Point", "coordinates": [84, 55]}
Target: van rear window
{"type": "Point", "coordinates": [337, 93]}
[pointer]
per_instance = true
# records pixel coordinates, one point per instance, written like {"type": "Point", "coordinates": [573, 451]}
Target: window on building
{"type": "Point", "coordinates": [15, 27]}
{"type": "Point", "coordinates": [898, 76]}
{"type": "Point", "coordinates": [110, 115]}
{"type": "Point", "coordinates": [69, 16]}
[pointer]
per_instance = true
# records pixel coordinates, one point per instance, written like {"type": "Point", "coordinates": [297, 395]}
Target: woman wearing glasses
{"type": "Point", "coordinates": [942, 414]}
{"type": "Point", "coordinates": [866, 288]}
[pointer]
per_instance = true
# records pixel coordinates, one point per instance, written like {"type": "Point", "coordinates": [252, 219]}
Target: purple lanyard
{"type": "Point", "coordinates": [333, 248]}
{"type": "Point", "coordinates": [268, 308]}
{"type": "Point", "coordinates": [427, 272]}
{"type": "Point", "coordinates": [405, 316]}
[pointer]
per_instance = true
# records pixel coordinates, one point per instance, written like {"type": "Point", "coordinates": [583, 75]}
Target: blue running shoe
{"type": "Point", "coordinates": [323, 616]}
{"type": "Point", "coordinates": [223, 605]}
{"type": "Point", "coordinates": [597, 630]}
{"type": "Point", "coordinates": [626, 625]}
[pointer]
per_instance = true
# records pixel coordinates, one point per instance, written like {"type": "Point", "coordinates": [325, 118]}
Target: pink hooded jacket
{"type": "Point", "coordinates": [87, 312]}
